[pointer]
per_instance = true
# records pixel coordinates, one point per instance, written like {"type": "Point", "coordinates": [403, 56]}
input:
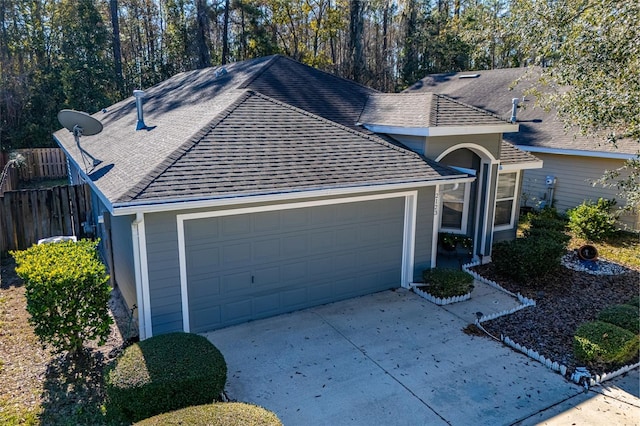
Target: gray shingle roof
{"type": "Point", "coordinates": [421, 110]}
{"type": "Point", "coordinates": [206, 114]}
{"type": "Point", "coordinates": [509, 154]}
{"type": "Point", "coordinates": [262, 146]}
{"type": "Point", "coordinates": [493, 90]}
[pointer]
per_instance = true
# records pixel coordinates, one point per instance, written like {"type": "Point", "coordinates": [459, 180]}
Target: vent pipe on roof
{"type": "Point", "coordinates": [139, 94]}
{"type": "Point", "coordinates": [514, 110]}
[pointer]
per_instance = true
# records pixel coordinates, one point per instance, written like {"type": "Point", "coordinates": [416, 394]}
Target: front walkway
{"type": "Point", "coordinates": [390, 358]}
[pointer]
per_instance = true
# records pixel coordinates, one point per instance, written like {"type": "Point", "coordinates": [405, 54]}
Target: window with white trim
{"type": "Point", "coordinates": [455, 207]}
{"type": "Point", "coordinates": [505, 200]}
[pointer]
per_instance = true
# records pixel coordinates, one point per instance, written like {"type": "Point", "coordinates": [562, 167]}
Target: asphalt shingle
{"type": "Point", "coordinates": [493, 90]}
{"type": "Point", "coordinates": [263, 146]}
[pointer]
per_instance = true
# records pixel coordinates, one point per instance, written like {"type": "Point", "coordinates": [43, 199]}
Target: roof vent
{"type": "Point", "coordinates": [469, 76]}
{"type": "Point", "coordinates": [139, 94]}
{"type": "Point", "coordinates": [514, 110]}
{"type": "Point", "coordinates": [220, 72]}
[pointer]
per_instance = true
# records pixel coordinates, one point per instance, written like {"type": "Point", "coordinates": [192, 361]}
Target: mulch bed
{"type": "Point", "coordinates": [564, 300]}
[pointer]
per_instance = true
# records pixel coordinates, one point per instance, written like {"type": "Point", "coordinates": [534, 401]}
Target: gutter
{"type": "Point", "coordinates": [120, 209]}
{"type": "Point", "coordinates": [577, 152]}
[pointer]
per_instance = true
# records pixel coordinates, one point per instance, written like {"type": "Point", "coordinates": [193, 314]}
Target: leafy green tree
{"type": "Point", "coordinates": [84, 65]}
{"type": "Point", "coordinates": [592, 56]}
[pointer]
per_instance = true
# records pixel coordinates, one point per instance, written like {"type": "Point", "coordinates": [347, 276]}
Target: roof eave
{"type": "Point", "coordinates": [577, 152]}
{"type": "Point", "coordinates": [442, 130]}
{"type": "Point", "coordinates": [84, 176]}
{"type": "Point", "coordinates": [156, 206]}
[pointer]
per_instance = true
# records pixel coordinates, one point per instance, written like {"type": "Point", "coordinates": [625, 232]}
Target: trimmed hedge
{"type": "Point", "coordinates": [634, 302]}
{"type": "Point", "coordinates": [165, 373]}
{"type": "Point", "coordinates": [220, 414]}
{"type": "Point", "coordinates": [67, 292]}
{"type": "Point", "coordinates": [602, 342]}
{"type": "Point", "coordinates": [538, 253]}
{"type": "Point", "coordinates": [443, 282]}
{"type": "Point", "coordinates": [625, 316]}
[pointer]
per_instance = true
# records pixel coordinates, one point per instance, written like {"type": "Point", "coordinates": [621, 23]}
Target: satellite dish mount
{"type": "Point", "coordinates": [81, 124]}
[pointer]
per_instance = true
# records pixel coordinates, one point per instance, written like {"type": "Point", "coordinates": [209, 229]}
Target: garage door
{"type": "Point", "coordinates": [256, 265]}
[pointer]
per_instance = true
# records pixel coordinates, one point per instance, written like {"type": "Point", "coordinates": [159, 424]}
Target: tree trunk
{"type": "Point", "coordinates": [356, 28]}
{"type": "Point", "coordinates": [204, 55]}
{"type": "Point", "coordinates": [225, 34]}
{"type": "Point", "coordinates": [117, 53]}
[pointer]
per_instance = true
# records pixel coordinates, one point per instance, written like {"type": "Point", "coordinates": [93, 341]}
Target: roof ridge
{"type": "Point", "coordinates": [483, 111]}
{"type": "Point", "coordinates": [179, 152]}
{"type": "Point", "coordinates": [376, 139]}
{"type": "Point", "coordinates": [285, 57]}
{"type": "Point", "coordinates": [261, 71]}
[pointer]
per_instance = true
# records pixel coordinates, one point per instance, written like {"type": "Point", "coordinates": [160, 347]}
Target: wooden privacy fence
{"type": "Point", "coordinates": [42, 163]}
{"type": "Point", "coordinates": [27, 216]}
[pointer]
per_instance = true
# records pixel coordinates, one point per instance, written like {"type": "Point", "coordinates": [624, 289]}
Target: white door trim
{"type": "Point", "coordinates": [408, 243]}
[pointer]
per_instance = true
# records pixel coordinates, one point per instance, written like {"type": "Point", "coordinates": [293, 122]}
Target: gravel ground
{"type": "Point", "coordinates": [564, 300]}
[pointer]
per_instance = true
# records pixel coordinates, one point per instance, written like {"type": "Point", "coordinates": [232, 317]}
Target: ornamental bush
{"type": "Point", "coordinates": [219, 414]}
{"type": "Point", "coordinates": [625, 316]}
{"type": "Point", "coordinates": [442, 282]}
{"type": "Point", "coordinates": [67, 293]}
{"type": "Point", "coordinates": [538, 253]}
{"type": "Point", "coordinates": [165, 373]}
{"type": "Point", "coordinates": [593, 222]}
{"type": "Point", "coordinates": [600, 342]}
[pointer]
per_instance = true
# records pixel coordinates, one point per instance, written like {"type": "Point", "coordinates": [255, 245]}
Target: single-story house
{"type": "Point", "coordinates": [572, 161]}
{"type": "Point", "coordinates": [240, 192]}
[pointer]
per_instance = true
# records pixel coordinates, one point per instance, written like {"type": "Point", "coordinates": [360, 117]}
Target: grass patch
{"type": "Point", "coordinates": [623, 248]}
{"type": "Point", "coordinates": [13, 414]}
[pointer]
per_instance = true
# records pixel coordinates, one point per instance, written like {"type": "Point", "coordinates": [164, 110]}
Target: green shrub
{"type": "Point", "coordinates": [67, 292]}
{"type": "Point", "coordinates": [165, 373]}
{"type": "Point", "coordinates": [442, 282]}
{"type": "Point", "coordinates": [634, 302]}
{"type": "Point", "coordinates": [603, 343]}
{"type": "Point", "coordinates": [594, 222]}
{"type": "Point", "coordinates": [538, 253]}
{"type": "Point", "coordinates": [523, 258]}
{"type": "Point", "coordinates": [625, 316]}
{"type": "Point", "coordinates": [220, 414]}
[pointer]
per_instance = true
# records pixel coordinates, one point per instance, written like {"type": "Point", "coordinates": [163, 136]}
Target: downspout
{"type": "Point", "coordinates": [139, 256]}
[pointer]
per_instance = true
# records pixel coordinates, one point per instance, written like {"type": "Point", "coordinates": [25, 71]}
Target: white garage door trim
{"type": "Point", "coordinates": [408, 239]}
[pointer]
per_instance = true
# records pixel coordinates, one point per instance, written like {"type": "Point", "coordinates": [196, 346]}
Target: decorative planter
{"type": "Point", "coordinates": [437, 300]}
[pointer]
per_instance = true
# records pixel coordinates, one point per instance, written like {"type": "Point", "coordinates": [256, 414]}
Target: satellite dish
{"type": "Point", "coordinates": [72, 120]}
{"type": "Point", "coordinates": [81, 123]}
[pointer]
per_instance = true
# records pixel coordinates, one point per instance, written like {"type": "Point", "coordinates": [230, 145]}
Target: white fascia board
{"type": "Point", "coordinates": [444, 130]}
{"type": "Point", "coordinates": [473, 130]}
{"type": "Point", "coordinates": [177, 204]}
{"type": "Point", "coordinates": [521, 166]}
{"type": "Point", "coordinates": [577, 152]}
{"type": "Point", "coordinates": [86, 178]}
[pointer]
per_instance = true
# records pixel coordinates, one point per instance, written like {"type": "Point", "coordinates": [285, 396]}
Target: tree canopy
{"type": "Point", "coordinates": [87, 54]}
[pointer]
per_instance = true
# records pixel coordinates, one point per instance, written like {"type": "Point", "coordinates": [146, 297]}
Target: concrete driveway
{"type": "Point", "coordinates": [391, 358]}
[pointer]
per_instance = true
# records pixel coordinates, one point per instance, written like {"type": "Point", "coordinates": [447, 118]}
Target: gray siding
{"type": "Point", "coordinates": [436, 145]}
{"type": "Point", "coordinates": [123, 269]}
{"type": "Point", "coordinates": [424, 231]}
{"type": "Point", "coordinates": [574, 181]}
{"type": "Point", "coordinates": [164, 272]}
